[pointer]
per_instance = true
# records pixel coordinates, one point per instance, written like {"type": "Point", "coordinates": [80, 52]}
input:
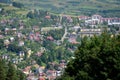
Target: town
{"type": "Point", "coordinates": [41, 44]}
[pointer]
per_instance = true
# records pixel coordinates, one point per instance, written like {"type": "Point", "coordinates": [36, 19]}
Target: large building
{"type": "Point", "coordinates": [90, 32]}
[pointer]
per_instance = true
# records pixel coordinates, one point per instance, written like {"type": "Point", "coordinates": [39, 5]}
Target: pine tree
{"type": "Point", "coordinates": [21, 75]}
{"type": "Point", "coordinates": [2, 70]}
{"type": "Point", "coordinates": [97, 58]}
{"type": "Point", "coordinates": [11, 73]}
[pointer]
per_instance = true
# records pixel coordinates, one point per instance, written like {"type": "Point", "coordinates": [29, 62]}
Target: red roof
{"type": "Point", "coordinates": [48, 17]}
{"type": "Point", "coordinates": [50, 38]}
{"type": "Point", "coordinates": [83, 17]}
{"type": "Point", "coordinates": [41, 78]}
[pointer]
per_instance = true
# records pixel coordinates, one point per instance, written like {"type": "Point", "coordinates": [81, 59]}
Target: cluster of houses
{"type": "Point", "coordinates": [36, 34]}
{"type": "Point", "coordinates": [94, 19]}
{"type": "Point", "coordinates": [98, 19]}
{"type": "Point", "coordinates": [16, 60]}
{"type": "Point", "coordinates": [95, 23]}
{"type": "Point", "coordinates": [42, 73]}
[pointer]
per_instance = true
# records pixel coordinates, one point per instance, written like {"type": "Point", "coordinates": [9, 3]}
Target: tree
{"type": "Point", "coordinates": [21, 75]}
{"type": "Point", "coordinates": [30, 14]}
{"type": "Point", "coordinates": [5, 1]}
{"type": "Point", "coordinates": [8, 72]}
{"type": "Point", "coordinates": [96, 58]}
{"type": "Point", "coordinates": [19, 5]}
{"type": "Point", "coordinates": [15, 48]}
{"type": "Point", "coordinates": [1, 43]}
{"type": "Point", "coordinates": [11, 74]}
{"type": "Point", "coordinates": [2, 70]}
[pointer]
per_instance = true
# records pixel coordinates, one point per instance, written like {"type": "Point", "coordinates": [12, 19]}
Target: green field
{"type": "Point", "coordinates": [76, 7]}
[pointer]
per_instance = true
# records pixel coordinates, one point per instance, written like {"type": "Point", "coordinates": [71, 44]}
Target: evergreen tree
{"type": "Point", "coordinates": [21, 76]}
{"type": "Point", "coordinates": [1, 44]}
{"type": "Point", "coordinates": [11, 74]}
{"type": "Point", "coordinates": [97, 58]}
{"type": "Point", "coordinates": [2, 70]}
{"type": "Point", "coordinates": [8, 72]}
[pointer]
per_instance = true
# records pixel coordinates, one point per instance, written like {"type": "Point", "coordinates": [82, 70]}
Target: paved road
{"type": "Point", "coordinates": [62, 39]}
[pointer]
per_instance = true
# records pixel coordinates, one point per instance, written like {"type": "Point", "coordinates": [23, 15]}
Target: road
{"type": "Point", "coordinates": [62, 39]}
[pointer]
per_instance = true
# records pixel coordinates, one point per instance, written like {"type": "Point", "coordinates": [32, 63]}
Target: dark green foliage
{"type": "Point", "coordinates": [14, 48]}
{"type": "Point", "coordinates": [21, 75]}
{"type": "Point", "coordinates": [96, 58]}
{"type": "Point", "coordinates": [40, 15]}
{"type": "Point", "coordinates": [9, 72]}
{"type": "Point", "coordinates": [19, 5]}
{"type": "Point", "coordinates": [2, 70]}
{"type": "Point", "coordinates": [106, 8]}
{"type": "Point", "coordinates": [5, 1]}
{"type": "Point", "coordinates": [1, 43]}
{"type": "Point", "coordinates": [30, 15]}
{"type": "Point", "coordinates": [37, 14]}
{"type": "Point", "coordinates": [56, 34]}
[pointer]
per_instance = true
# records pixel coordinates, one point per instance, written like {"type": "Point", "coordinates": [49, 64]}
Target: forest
{"type": "Point", "coordinates": [35, 41]}
{"type": "Point", "coordinates": [8, 71]}
{"type": "Point", "coordinates": [95, 59]}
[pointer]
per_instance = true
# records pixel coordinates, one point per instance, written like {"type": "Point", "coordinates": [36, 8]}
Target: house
{"type": "Point", "coordinates": [42, 49]}
{"type": "Point", "coordinates": [90, 32]}
{"type": "Point", "coordinates": [58, 42]}
{"type": "Point", "coordinates": [19, 34]}
{"type": "Point", "coordinates": [41, 70]}
{"type": "Point", "coordinates": [36, 28]}
{"type": "Point", "coordinates": [76, 28]}
{"type": "Point", "coordinates": [12, 39]}
{"type": "Point", "coordinates": [14, 30]}
{"type": "Point", "coordinates": [10, 31]}
{"type": "Point", "coordinates": [47, 17]}
{"type": "Point", "coordinates": [21, 53]}
{"type": "Point", "coordinates": [94, 20]}
{"type": "Point", "coordinates": [6, 42]}
{"type": "Point", "coordinates": [5, 57]}
{"type": "Point", "coordinates": [7, 30]}
{"type": "Point", "coordinates": [41, 78]}
{"type": "Point", "coordinates": [36, 38]}
{"type": "Point", "coordinates": [21, 27]}
{"type": "Point", "coordinates": [62, 61]}
{"type": "Point", "coordinates": [51, 74]}
{"type": "Point", "coordinates": [21, 43]}
{"type": "Point", "coordinates": [0, 9]}
{"type": "Point", "coordinates": [73, 41]}
{"type": "Point", "coordinates": [83, 17]}
{"type": "Point", "coordinates": [50, 38]}
{"type": "Point", "coordinates": [58, 73]}
{"type": "Point", "coordinates": [29, 52]}
{"type": "Point", "coordinates": [39, 54]}
{"type": "Point", "coordinates": [27, 70]}
{"type": "Point", "coordinates": [62, 65]}
{"type": "Point", "coordinates": [1, 36]}
{"type": "Point", "coordinates": [68, 17]}
{"type": "Point", "coordinates": [31, 36]}
{"type": "Point", "coordinates": [15, 61]}
{"type": "Point", "coordinates": [114, 21]}
{"type": "Point", "coordinates": [31, 76]}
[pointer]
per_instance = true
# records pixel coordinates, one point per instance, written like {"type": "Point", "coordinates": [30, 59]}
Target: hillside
{"type": "Point", "coordinates": [9, 8]}
{"type": "Point", "coordinates": [40, 43]}
{"type": "Point", "coordinates": [76, 7]}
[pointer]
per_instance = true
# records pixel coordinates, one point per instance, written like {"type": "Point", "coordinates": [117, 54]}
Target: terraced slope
{"type": "Point", "coordinates": [76, 7]}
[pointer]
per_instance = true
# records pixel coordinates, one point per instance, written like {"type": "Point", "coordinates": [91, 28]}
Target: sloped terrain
{"type": "Point", "coordinates": [76, 7]}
